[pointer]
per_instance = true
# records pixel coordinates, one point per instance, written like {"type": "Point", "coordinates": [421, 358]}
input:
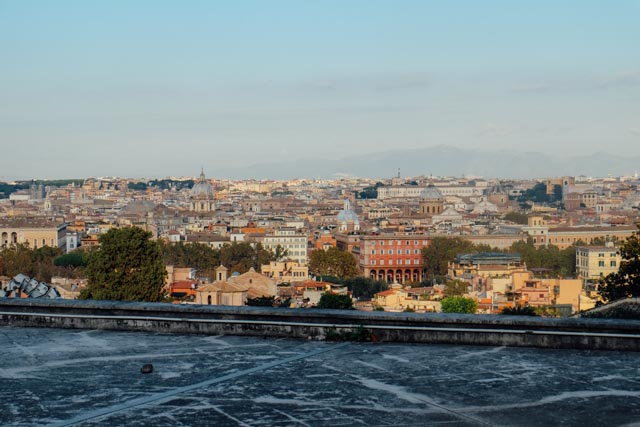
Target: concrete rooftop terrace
{"type": "Point", "coordinates": [92, 378]}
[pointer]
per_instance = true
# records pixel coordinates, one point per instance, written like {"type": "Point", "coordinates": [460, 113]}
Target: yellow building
{"type": "Point", "coordinates": [285, 271]}
{"type": "Point", "coordinates": [35, 232]}
{"type": "Point", "coordinates": [594, 262]}
{"type": "Point", "coordinates": [486, 264]}
{"type": "Point", "coordinates": [563, 237]}
{"type": "Point", "coordinates": [399, 299]}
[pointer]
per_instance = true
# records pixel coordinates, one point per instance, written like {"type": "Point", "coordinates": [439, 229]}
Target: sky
{"type": "Point", "coordinates": [152, 88]}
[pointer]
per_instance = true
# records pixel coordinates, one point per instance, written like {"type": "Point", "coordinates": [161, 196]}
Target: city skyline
{"type": "Point", "coordinates": [158, 88]}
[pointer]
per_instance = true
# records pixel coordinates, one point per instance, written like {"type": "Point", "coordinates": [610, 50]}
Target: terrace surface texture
{"type": "Point", "coordinates": [92, 378]}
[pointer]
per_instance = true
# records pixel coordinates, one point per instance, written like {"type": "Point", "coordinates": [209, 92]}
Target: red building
{"type": "Point", "coordinates": [393, 257]}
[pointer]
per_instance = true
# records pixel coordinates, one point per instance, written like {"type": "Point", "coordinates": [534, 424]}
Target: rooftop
{"type": "Point", "coordinates": [92, 378]}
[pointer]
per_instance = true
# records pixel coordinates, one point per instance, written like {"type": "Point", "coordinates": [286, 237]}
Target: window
{"type": "Point", "coordinates": [399, 251]}
{"type": "Point", "coordinates": [381, 262]}
{"type": "Point", "coordinates": [373, 262]}
{"type": "Point", "coordinates": [408, 251]}
{"type": "Point", "coordinates": [612, 264]}
{"type": "Point", "coordinates": [373, 252]}
{"type": "Point", "coordinates": [600, 263]}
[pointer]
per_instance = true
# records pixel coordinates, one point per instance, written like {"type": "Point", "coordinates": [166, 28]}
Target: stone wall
{"type": "Point", "coordinates": [605, 334]}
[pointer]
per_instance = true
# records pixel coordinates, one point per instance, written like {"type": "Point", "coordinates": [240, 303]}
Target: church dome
{"type": "Point", "coordinates": [202, 189]}
{"type": "Point", "coordinates": [430, 193]}
{"type": "Point", "coordinates": [347, 214]}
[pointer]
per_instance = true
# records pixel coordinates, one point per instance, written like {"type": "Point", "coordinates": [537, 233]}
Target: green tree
{"type": "Point", "coordinates": [517, 217]}
{"type": "Point", "coordinates": [333, 262]}
{"type": "Point", "coordinates": [334, 301]}
{"type": "Point", "coordinates": [73, 259]}
{"type": "Point", "coordinates": [519, 311]}
{"type": "Point", "coordinates": [626, 282]}
{"type": "Point", "coordinates": [458, 304]}
{"type": "Point", "coordinates": [455, 288]}
{"type": "Point", "coordinates": [127, 266]}
{"type": "Point", "coordinates": [262, 301]}
{"type": "Point", "coordinates": [441, 251]}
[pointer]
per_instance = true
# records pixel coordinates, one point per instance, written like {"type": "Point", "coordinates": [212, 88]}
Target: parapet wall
{"type": "Point", "coordinates": [594, 334]}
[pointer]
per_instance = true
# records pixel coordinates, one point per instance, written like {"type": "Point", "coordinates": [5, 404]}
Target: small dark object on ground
{"type": "Point", "coordinates": [146, 369]}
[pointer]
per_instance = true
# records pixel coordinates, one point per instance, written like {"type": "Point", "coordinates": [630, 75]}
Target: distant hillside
{"type": "Point", "coordinates": [443, 160]}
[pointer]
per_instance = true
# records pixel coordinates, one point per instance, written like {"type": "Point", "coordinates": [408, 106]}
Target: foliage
{"type": "Point", "coordinates": [334, 262]}
{"type": "Point", "coordinates": [237, 257]}
{"type": "Point", "coordinates": [261, 301]}
{"type": "Point", "coordinates": [75, 259]}
{"type": "Point", "coordinates": [370, 192]}
{"type": "Point", "coordinates": [560, 262]}
{"type": "Point", "coordinates": [458, 304]}
{"type": "Point", "coordinates": [408, 310]}
{"type": "Point", "coordinates": [378, 308]}
{"type": "Point", "coordinates": [358, 334]}
{"type": "Point", "coordinates": [626, 281]}
{"type": "Point", "coordinates": [517, 217]}
{"type": "Point", "coordinates": [519, 311]}
{"type": "Point", "coordinates": [242, 256]}
{"type": "Point", "coordinates": [455, 288]}
{"type": "Point", "coordinates": [161, 184]}
{"type": "Point", "coordinates": [38, 263]}
{"type": "Point", "coordinates": [334, 301]}
{"type": "Point", "coordinates": [279, 253]}
{"type": "Point", "coordinates": [285, 303]}
{"type": "Point", "coordinates": [359, 286]}
{"type": "Point", "coordinates": [127, 266]}
{"type": "Point", "coordinates": [441, 251]}
{"type": "Point", "coordinates": [192, 255]}
{"type": "Point", "coordinates": [538, 194]}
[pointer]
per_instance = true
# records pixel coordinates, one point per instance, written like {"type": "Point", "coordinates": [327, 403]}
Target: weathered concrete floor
{"type": "Point", "coordinates": [54, 376]}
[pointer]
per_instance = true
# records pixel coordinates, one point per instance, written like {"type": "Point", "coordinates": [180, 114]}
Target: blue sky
{"type": "Point", "coordinates": [156, 88]}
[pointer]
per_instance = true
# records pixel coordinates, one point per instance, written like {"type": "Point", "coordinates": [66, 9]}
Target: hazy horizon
{"type": "Point", "coordinates": [161, 88]}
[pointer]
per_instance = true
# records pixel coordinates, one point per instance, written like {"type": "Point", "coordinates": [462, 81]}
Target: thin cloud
{"type": "Point", "coordinates": [624, 79]}
{"type": "Point", "coordinates": [495, 130]}
{"type": "Point", "coordinates": [385, 83]}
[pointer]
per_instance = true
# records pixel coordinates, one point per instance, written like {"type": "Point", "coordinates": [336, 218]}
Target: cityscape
{"type": "Point", "coordinates": [365, 238]}
{"type": "Point", "coordinates": [334, 213]}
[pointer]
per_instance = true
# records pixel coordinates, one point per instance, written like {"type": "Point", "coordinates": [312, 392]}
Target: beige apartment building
{"type": "Point", "coordinates": [294, 242]}
{"type": "Point", "coordinates": [35, 232]}
{"type": "Point", "coordinates": [593, 262]}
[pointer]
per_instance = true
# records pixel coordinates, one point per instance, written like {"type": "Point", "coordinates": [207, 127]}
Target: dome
{"type": "Point", "coordinates": [430, 193]}
{"type": "Point", "coordinates": [202, 189]}
{"type": "Point", "coordinates": [347, 214]}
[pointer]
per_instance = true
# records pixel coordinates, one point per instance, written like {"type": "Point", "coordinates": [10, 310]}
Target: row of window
{"type": "Point", "coordinates": [398, 262]}
{"type": "Point", "coordinates": [399, 252]}
{"type": "Point", "coordinates": [399, 242]}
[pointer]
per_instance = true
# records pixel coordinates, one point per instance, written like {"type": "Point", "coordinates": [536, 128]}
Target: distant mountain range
{"type": "Point", "coordinates": [442, 161]}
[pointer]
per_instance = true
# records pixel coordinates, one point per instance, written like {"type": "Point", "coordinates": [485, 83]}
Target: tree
{"type": "Point", "coordinates": [455, 288]}
{"type": "Point", "coordinates": [72, 259]}
{"type": "Point", "coordinates": [335, 301]}
{"type": "Point", "coordinates": [458, 304]}
{"type": "Point", "coordinates": [441, 251]}
{"type": "Point", "coordinates": [519, 311]}
{"type": "Point", "coordinates": [333, 262]}
{"type": "Point", "coordinates": [626, 282]}
{"type": "Point", "coordinates": [262, 301]}
{"type": "Point", "coordinates": [126, 267]}
{"type": "Point", "coordinates": [517, 217]}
